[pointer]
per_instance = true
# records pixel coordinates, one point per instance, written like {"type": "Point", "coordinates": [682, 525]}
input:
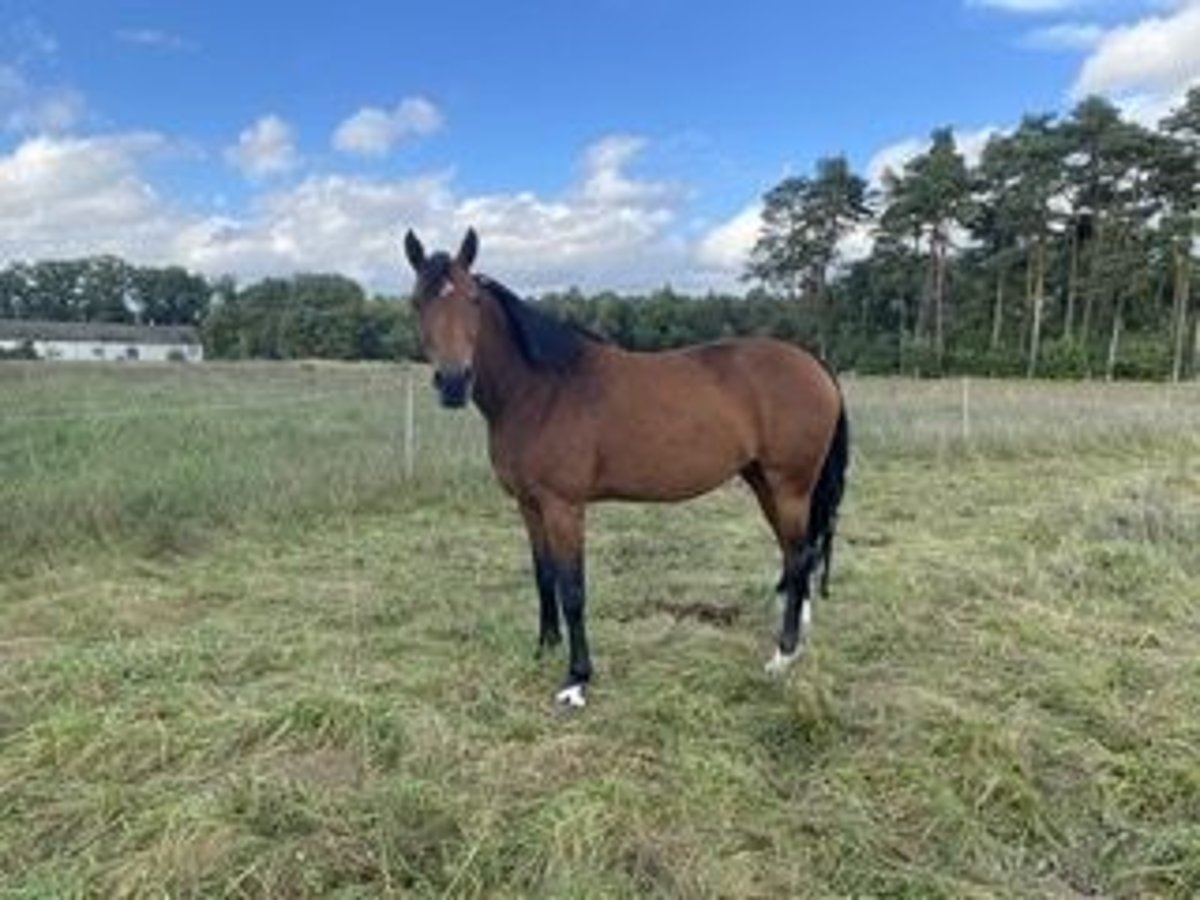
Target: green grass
{"type": "Point", "coordinates": [242, 655]}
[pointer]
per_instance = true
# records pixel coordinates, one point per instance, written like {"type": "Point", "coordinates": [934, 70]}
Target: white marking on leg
{"type": "Point", "coordinates": [572, 695]}
{"type": "Point", "coordinates": [779, 663]}
{"type": "Point", "coordinates": [805, 619]}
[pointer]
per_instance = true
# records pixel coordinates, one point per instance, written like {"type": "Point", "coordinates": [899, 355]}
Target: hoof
{"type": "Point", "coordinates": [573, 696]}
{"type": "Point", "coordinates": [778, 665]}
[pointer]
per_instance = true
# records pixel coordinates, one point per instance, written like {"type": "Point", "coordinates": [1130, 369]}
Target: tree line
{"type": "Point", "coordinates": [308, 316]}
{"type": "Point", "coordinates": [103, 289]}
{"type": "Point", "coordinates": [1066, 250]}
{"type": "Point", "coordinates": [304, 316]}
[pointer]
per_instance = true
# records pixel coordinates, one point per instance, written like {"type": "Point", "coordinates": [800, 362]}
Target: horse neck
{"type": "Point", "coordinates": [501, 373]}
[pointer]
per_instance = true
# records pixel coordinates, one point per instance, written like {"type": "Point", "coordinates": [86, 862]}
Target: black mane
{"type": "Point", "coordinates": [544, 341]}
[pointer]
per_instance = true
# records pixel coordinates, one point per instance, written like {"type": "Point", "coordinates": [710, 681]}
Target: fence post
{"type": "Point", "coordinates": [966, 409]}
{"type": "Point", "coordinates": [409, 422]}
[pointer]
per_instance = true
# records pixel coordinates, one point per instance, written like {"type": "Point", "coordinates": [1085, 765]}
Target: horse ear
{"type": "Point", "coordinates": [414, 251]}
{"type": "Point", "coordinates": [470, 246]}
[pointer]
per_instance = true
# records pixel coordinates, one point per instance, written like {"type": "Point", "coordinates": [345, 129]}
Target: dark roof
{"type": "Point", "coordinates": [101, 332]}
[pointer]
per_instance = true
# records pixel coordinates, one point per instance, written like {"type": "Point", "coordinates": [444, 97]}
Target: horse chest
{"type": "Point", "coordinates": [510, 451]}
{"type": "Point", "coordinates": [504, 462]}
{"type": "Point", "coordinates": [535, 459]}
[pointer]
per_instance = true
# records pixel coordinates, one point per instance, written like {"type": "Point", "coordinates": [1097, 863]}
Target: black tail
{"type": "Point", "coordinates": [827, 497]}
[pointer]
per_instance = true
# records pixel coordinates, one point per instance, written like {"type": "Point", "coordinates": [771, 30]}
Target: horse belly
{"type": "Point", "coordinates": [665, 458]}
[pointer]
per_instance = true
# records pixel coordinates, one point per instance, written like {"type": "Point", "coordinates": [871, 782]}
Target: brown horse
{"type": "Point", "coordinates": [572, 419]}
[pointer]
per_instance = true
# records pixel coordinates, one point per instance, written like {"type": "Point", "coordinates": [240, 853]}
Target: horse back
{"type": "Point", "coordinates": [677, 423]}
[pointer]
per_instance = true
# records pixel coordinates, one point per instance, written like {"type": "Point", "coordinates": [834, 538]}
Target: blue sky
{"type": "Point", "coordinates": [613, 143]}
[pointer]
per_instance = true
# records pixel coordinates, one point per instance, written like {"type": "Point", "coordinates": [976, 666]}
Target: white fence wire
{"type": "Point", "coordinates": [395, 407]}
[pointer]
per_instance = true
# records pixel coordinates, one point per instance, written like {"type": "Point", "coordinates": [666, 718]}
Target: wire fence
{"type": "Point", "coordinates": [162, 451]}
{"type": "Point", "coordinates": [164, 454]}
{"type": "Point", "coordinates": [395, 403]}
{"type": "Point", "coordinates": [981, 416]}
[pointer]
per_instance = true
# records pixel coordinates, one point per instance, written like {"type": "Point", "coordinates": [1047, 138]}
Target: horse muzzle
{"type": "Point", "coordinates": [453, 385]}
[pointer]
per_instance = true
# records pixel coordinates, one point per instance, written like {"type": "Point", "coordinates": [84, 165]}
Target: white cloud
{"type": "Point", "coordinates": [266, 148]}
{"type": "Point", "coordinates": [1150, 108]}
{"type": "Point", "coordinates": [1157, 55]}
{"type": "Point", "coordinates": [28, 104]}
{"type": "Point", "coordinates": [63, 196]}
{"type": "Point", "coordinates": [72, 196]}
{"type": "Point", "coordinates": [29, 108]}
{"type": "Point", "coordinates": [327, 223]}
{"type": "Point", "coordinates": [857, 243]}
{"type": "Point", "coordinates": [971, 143]}
{"type": "Point", "coordinates": [612, 229]}
{"type": "Point", "coordinates": [374, 132]}
{"type": "Point", "coordinates": [727, 246]}
{"type": "Point", "coordinates": [1064, 36]}
{"type": "Point", "coordinates": [154, 38]}
{"type": "Point", "coordinates": [725, 250]}
{"type": "Point", "coordinates": [894, 156]}
{"type": "Point", "coordinates": [606, 182]}
{"type": "Point", "coordinates": [1027, 6]}
{"type": "Point", "coordinates": [30, 42]}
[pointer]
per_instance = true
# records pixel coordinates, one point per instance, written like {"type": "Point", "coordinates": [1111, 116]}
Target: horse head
{"type": "Point", "coordinates": [446, 299]}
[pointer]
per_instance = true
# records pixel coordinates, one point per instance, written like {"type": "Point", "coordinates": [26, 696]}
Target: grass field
{"type": "Point", "coordinates": [242, 655]}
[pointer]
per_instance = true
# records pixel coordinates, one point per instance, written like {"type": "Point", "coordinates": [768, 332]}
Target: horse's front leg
{"type": "Point", "coordinates": [545, 574]}
{"type": "Point", "coordinates": [564, 536]}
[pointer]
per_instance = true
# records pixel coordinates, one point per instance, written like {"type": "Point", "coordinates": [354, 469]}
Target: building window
{"type": "Point", "coordinates": [131, 352]}
{"type": "Point", "coordinates": [98, 352]}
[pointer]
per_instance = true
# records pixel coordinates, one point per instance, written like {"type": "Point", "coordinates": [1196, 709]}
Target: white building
{"type": "Point", "coordinates": [97, 341]}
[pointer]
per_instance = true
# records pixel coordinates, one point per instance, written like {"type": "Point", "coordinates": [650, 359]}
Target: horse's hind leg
{"type": "Point", "coordinates": [754, 476]}
{"type": "Point", "coordinates": [786, 504]}
{"type": "Point", "coordinates": [799, 565]}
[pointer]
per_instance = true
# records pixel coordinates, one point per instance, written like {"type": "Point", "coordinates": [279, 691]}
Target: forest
{"type": "Point", "coordinates": [1067, 249]}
